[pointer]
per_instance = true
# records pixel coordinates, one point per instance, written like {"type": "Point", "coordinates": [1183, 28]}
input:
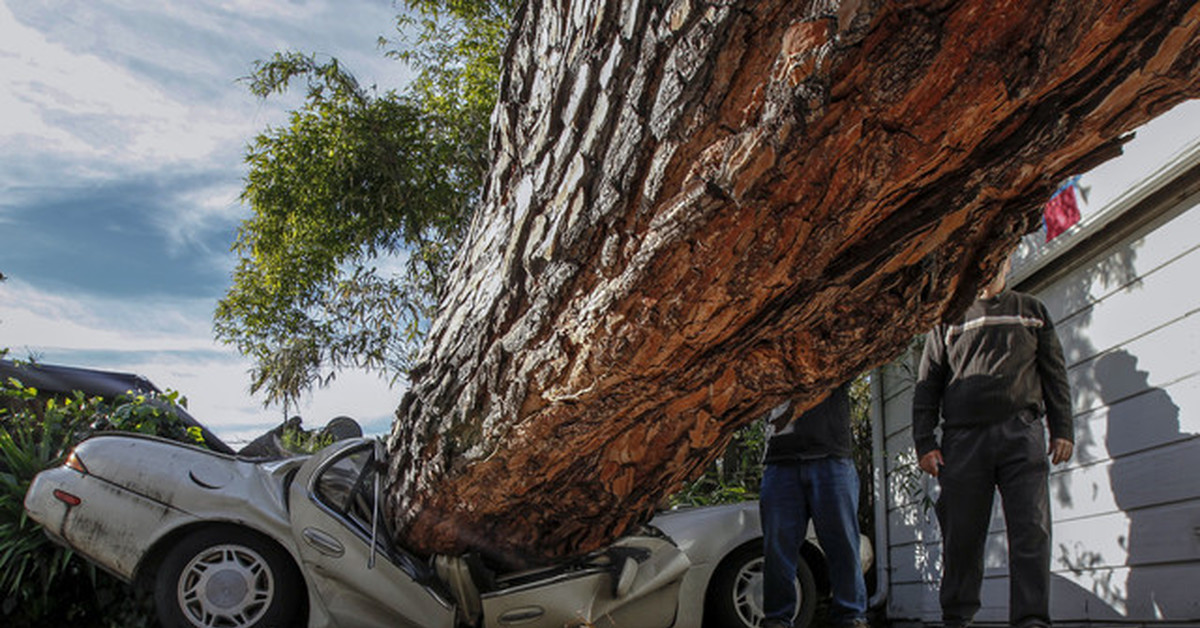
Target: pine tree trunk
{"type": "Point", "coordinates": [698, 210]}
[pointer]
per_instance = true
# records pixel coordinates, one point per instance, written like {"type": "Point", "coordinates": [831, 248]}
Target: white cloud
{"type": "Point", "coordinates": [200, 212]}
{"type": "Point", "coordinates": [33, 318]}
{"type": "Point", "coordinates": [115, 85]}
{"type": "Point", "coordinates": [83, 106]}
{"type": "Point", "coordinates": [218, 395]}
{"type": "Point", "coordinates": [279, 10]}
{"type": "Point", "coordinates": [102, 94]}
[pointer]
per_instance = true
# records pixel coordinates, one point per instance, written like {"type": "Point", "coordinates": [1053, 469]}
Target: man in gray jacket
{"type": "Point", "coordinates": [988, 379]}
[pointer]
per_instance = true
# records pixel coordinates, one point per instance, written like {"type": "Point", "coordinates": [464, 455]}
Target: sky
{"type": "Point", "coordinates": [123, 126]}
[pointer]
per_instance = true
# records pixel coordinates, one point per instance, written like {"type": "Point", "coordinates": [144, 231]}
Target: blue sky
{"type": "Point", "coordinates": [122, 131]}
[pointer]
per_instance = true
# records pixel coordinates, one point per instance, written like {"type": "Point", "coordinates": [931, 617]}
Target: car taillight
{"type": "Point", "coordinates": [74, 462]}
{"type": "Point", "coordinates": [67, 498]}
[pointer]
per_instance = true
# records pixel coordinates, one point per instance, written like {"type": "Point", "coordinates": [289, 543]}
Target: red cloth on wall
{"type": "Point", "coordinates": [1060, 212]}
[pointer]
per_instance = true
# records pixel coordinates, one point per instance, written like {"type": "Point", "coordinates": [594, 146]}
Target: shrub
{"type": "Point", "coordinates": [41, 583]}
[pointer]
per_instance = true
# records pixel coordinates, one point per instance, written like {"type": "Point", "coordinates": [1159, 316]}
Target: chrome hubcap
{"type": "Point", "coordinates": [748, 593]}
{"type": "Point", "coordinates": [225, 586]}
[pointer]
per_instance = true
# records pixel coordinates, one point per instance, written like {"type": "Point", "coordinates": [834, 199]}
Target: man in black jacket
{"type": "Point", "coordinates": [989, 378]}
{"type": "Point", "coordinates": [810, 475]}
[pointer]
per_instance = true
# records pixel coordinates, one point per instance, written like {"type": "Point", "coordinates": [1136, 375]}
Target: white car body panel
{"type": "Point", "coordinates": [118, 524]}
{"type": "Point", "coordinates": [706, 535]}
{"type": "Point", "coordinates": [159, 492]}
{"type": "Point", "coordinates": [710, 533]}
{"type": "Point", "coordinates": [353, 594]}
{"type": "Point", "coordinates": [587, 597]}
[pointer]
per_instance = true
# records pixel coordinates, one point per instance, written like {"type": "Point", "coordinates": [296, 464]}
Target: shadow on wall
{"type": "Point", "coordinates": [1127, 530]}
{"type": "Point", "coordinates": [1154, 466]}
{"type": "Point", "coordinates": [1134, 555]}
{"type": "Point", "coordinates": [1113, 272]}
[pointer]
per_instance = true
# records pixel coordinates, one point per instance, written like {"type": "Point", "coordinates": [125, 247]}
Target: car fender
{"type": "Point", "coordinates": [707, 534]}
{"type": "Point", "coordinates": [140, 492]}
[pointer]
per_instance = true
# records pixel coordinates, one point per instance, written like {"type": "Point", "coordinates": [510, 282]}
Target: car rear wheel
{"type": "Point", "coordinates": [735, 596]}
{"type": "Point", "coordinates": [227, 577]}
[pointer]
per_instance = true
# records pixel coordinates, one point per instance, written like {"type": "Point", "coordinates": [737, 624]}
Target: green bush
{"type": "Point", "coordinates": [297, 440]}
{"type": "Point", "coordinates": [734, 477]}
{"type": "Point", "coordinates": [41, 583]}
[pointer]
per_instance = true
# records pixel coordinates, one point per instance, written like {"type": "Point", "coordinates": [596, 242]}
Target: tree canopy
{"type": "Point", "coordinates": [360, 201]}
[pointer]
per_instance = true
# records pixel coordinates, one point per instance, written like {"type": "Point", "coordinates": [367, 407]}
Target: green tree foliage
{"type": "Point", "coordinates": [360, 202]}
{"type": "Point", "coordinates": [734, 477]}
{"type": "Point", "coordinates": [42, 583]}
{"type": "Point", "coordinates": [457, 52]}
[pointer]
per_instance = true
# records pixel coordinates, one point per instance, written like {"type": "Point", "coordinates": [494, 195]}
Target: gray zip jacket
{"type": "Point", "coordinates": [1001, 359]}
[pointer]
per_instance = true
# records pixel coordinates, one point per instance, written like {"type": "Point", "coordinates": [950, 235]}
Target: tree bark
{"type": "Point", "coordinates": [700, 209]}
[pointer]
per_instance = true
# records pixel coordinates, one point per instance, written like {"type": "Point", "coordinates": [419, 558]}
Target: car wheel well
{"type": "Point", "coordinates": [729, 556]}
{"type": "Point", "coordinates": [717, 613]}
{"type": "Point", "coordinates": [811, 554]}
{"type": "Point", "coordinates": [148, 568]}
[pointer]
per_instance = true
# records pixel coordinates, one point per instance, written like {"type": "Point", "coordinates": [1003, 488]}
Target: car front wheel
{"type": "Point", "coordinates": [735, 596]}
{"type": "Point", "coordinates": [227, 577]}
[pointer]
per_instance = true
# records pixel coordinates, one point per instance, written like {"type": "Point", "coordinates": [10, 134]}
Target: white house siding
{"type": "Point", "coordinates": [1125, 294]}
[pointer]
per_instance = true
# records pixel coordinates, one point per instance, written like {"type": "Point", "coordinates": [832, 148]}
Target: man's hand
{"type": "Point", "coordinates": [932, 462]}
{"type": "Point", "coordinates": [1060, 450]}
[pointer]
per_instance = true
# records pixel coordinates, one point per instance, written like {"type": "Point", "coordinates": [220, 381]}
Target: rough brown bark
{"type": "Point", "coordinates": [699, 209]}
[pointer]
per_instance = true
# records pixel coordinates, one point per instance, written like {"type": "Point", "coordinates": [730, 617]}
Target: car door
{"type": "Point", "coordinates": [333, 501]}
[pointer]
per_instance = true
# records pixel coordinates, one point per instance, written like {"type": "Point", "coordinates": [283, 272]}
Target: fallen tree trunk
{"type": "Point", "coordinates": [698, 210]}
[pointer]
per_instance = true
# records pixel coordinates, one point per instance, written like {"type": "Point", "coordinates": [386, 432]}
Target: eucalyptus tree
{"type": "Point", "coordinates": [696, 210]}
{"type": "Point", "coordinates": [691, 211]}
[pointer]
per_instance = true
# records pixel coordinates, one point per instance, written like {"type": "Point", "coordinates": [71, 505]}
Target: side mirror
{"type": "Point", "coordinates": [625, 578]}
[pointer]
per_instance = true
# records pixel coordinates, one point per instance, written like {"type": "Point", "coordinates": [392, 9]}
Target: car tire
{"type": "Point", "coordinates": [227, 576]}
{"type": "Point", "coordinates": [735, 594]}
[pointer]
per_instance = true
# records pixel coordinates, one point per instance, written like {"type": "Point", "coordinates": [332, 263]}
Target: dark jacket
{"type": "Point", "coordinates": [822, 431]}
{"type": "Point", "coordinates": [1001, 359]}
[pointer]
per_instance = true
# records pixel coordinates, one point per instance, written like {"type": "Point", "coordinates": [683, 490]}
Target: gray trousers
{"type": "Point", "coordinates": [1010, 456]}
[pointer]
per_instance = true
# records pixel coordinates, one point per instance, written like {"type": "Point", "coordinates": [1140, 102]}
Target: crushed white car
{"type": "Point", "coordinates": [229, 541]}
{"type": "Point", "coordinates": [224, 541]}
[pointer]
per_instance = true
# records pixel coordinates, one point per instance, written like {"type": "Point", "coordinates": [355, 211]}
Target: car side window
{"type": "Point", "coordinates": [346, 487]}
{"type": "Point", "coordinates": [342, 488]}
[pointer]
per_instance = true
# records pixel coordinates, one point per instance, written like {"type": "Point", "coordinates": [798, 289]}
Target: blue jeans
{"type": "Point", "coordinates": [826, 491]}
